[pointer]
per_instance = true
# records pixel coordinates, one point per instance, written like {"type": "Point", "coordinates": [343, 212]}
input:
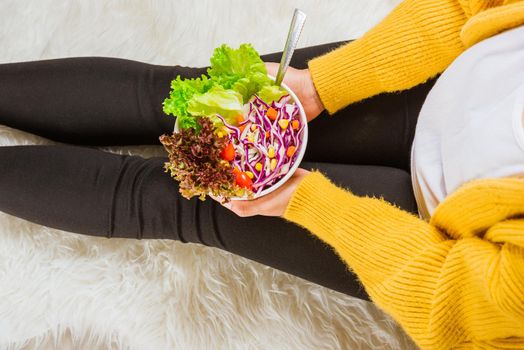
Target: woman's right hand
{"type": "Point", "coordinates": [299, 80]}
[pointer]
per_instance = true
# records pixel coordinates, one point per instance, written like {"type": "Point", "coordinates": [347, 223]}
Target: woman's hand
{"type": "Point", "coordinates": [273, 204]}
{"type": "Point", "coordinates": [299, 80]}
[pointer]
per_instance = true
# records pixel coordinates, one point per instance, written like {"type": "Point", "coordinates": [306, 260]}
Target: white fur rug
{"type": "Point", "coordinates": [63, 290]}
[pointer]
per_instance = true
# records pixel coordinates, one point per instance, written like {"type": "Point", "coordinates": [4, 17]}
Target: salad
{"type": "Point", "coordinates": [238, 133]}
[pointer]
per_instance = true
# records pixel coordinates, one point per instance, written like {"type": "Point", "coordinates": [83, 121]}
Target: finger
{"type": "Point", "coordinates": [245, 208]}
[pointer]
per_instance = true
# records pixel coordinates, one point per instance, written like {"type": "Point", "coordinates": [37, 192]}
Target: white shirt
{"type": "Point", "coordinates": [470, 125]}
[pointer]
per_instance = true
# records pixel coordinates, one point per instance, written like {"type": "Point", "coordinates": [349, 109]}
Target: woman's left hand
{"type": "Point", "coordinates": [273, 204]}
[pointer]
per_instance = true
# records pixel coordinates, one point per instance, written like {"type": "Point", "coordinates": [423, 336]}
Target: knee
{"type": "Point", "coordinates": [145, 200]}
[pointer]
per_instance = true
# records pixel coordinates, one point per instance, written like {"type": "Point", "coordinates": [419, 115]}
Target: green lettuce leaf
{"type": "Point", "coordinates": [181, 93]}
{"type": "Point", "coordinates": [188, 121]}
{"type": "Point", "coordinates": [235, 75]}
{"type": "Point", "coordinates": [227, 103]}
{"type": "Point", "coordinates": [270, 93]}
{"type": "Point", "coordinates": [239, 69]}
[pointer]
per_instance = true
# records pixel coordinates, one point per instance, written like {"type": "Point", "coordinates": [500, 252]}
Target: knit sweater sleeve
{"type": "Point", "coordinates": [414, 42]}
{"type": "Point", "coordinates": [445, 281]}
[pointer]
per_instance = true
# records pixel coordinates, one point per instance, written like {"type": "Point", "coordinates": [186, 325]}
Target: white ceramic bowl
{"type": "Point", "coordinates": [300, 154]}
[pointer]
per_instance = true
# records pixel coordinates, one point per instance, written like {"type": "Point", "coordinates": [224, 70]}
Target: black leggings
{"type": "Point", "coordinates": [94, 101]}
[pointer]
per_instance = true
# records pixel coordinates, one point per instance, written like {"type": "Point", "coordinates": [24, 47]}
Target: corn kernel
{"type": "Point", "coordinates": [250, 138]}
{"type": "Point", "coordinates": [283, 123]}
{"type": "Point", "coordinates": [258, 166]}
{"type": "Point", "coordinates": [253, 127]}
{"type": "Point", "coordinates": [250, 174]}
{"type": "Point", "coordinates": [273, 164]}
{"type": "Point", "coordinates": [220, 134]}
{"type": "Point", "coordinates": [271, 152]}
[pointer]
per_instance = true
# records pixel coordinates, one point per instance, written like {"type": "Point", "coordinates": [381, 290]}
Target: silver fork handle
{"type": "Point", "coordinates": [297, 23]}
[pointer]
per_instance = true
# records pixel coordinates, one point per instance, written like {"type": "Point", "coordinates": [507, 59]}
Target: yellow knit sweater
{"type": "Point", "coordinates": [457, 281]}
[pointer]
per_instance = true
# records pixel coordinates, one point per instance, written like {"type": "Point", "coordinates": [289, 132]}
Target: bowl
{"type": "Point", "coordinates": [301, 150]}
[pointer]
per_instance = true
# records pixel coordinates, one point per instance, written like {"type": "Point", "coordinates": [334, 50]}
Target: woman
{"type": "Point", "coordinates": [453, 278]}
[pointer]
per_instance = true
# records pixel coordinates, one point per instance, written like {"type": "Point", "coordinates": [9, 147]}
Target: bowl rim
{"type": "Point", "coordinates": [300, 154]}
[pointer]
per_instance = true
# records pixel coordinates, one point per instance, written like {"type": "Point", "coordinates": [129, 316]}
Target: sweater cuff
{"type": "Point", "coordinates": [315, 202]}
{"type": "Point", "coordinates": [341, 76]}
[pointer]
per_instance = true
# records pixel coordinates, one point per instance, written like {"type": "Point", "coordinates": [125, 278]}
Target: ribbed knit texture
{"type": "Point", "coordinates": [416, 41]}
{"type": "Point", "coordinates": [455, 282]}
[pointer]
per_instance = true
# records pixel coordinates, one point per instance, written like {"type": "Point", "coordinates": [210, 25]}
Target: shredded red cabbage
{"type": "Point", "coordinates": [252, 146]}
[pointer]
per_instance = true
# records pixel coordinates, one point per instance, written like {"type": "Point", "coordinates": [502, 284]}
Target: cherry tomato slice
{"type": "Point", "coordinates": [243, 180]}
{"type": "Point", "coordinates": [228, 153]}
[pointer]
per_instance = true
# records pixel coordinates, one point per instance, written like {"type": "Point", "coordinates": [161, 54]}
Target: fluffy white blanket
{"type": "Point", "coordinates": [64, 290]}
